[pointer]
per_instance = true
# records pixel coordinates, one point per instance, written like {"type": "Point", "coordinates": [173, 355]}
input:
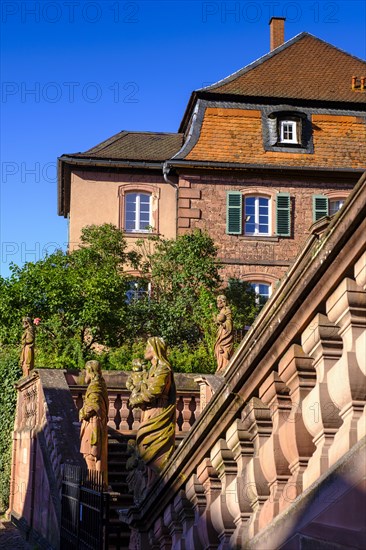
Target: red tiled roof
{"type": "Point", "coordinates": [304, 67]}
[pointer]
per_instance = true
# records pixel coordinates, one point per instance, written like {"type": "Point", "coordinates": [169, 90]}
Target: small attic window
{"type": "Point", "coordinates": [288, 131]}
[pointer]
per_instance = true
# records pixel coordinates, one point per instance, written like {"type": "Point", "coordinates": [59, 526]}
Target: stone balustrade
{"type": "Point", "coordinates": [126, 420]}
{"type": "Point", "coordinates": [291, 414]}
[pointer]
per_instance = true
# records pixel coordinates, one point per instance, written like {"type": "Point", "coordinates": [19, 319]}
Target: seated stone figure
{"type": "Point", "coordinates": [157, 399]}
{"type": "Point", "coordinates": [94, 417]}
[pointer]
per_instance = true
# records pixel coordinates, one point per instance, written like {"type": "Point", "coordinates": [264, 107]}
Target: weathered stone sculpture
{"type": "Point", "coordinates": [94, 417]}
{"type": "Point", "coordinates": [157, 399]}
{"type": "Point", "coordinates": [136, 381]}
{"type": "Point", "coordinates": [136, 477]}
{"type": "Point", "coordinates": [225, 336]}
{"type": "Point", "coordinates": [27, 355]}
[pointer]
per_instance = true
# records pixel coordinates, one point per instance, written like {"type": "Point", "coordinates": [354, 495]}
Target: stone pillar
{"type": "Point", "coordinates": [205, 392]}
{"type": "Point", "coordinates": [275, 465]}
{"type": "Point", "coordinates": [297, 372]}
{"type": "Point", "coordinates": [240, 443]}
{"type": "Point", "coordinates": [321, 415]}
{"type": "Point", "coordinates": [224, 464]}
{"type": "Point", "coordinates": [257, 421]}
{"type": "Point", "coordinates": [347, 308]}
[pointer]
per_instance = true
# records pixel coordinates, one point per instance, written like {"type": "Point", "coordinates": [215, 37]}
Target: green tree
{"type": "Point", "coordinates": [243, 301]}
{"type": "Point", "coordinates": [184, 273]}
{"type": "Point", "coordinates": [80, 297]}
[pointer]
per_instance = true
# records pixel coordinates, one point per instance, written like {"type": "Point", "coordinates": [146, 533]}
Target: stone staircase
{"type": "Point", "coordinates": [119, 533]}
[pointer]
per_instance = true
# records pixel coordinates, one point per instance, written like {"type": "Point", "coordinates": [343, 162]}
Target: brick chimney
{"type": "Point", "coordinates": [277, 31]}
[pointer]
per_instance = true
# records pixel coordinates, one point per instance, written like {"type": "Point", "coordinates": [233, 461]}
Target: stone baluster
{"type": "Point", "coordinates": [257, 421]}
{"type": "Point", "coordinates": [175, 527]}
{"type": "Point", "coordinates": [274, 393]}
{"type": "Point", "coordinates": [321, 341]}
{"type": "Point", "coordinates": [179, 415]}
{"type": "Point", "coordinates": [186, 517]}
{"type": "Point", "coordinates": [186, 413]}
{"type": "Point", "coordinates": [111, 411]}
{"type": "Point", "coordinates": [223, 462]}
{"type": "Point", "coordinates": [136, 418]}
{"type": "Point", "coordinates": [161, 534]}
{"type": "Point", "coordinates": [346, 308]}
{"type": "Point", "coordinates": [297, 372]}
{"type": "Point", "coordinates": [240, 443]}
{"type": "Point", "coordinates": [153, 543]}
{"type": "Point", "coordinates": [124, 412]}
{"type": "Point", "coordinates": [207, 475]}
{"type": "Point", "coordinates": [360, 276]}
{"type": "Point", "coordinates": [195, 493]}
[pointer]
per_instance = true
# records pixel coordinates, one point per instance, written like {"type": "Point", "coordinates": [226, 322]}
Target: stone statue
{"type": "Point", "coordinates": [136, 477]}
{"type": "Point", "coordinates": [136, 382]}
{"type": "Point", "coordinates": [225, 336]}
{"type": "Point", "coordinates": [27, 355]}
{"type": "Point", "coordinates": [94, 417]}
{"type": "Point", "coordinates": [157, 399]}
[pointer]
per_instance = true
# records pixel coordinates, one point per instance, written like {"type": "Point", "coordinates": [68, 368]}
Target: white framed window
{"type": "Point", "coordinates": [138, 289]}
{"type": "Point", "coordinates": [138, 210]}
{"type": "Point", "coordinates": [335, 205]}
{"type": "Point", "coordinates": [288, 131]}
{"type": "Point", "coordinates": [262, 291]}
{"type": "Point", "coordinates": [257, 215]}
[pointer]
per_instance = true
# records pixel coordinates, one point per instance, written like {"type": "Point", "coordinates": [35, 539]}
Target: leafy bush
{"type": "Point", "coordinates": [9, 374]}
{"type": "Point", "coordinates": [185, 358]}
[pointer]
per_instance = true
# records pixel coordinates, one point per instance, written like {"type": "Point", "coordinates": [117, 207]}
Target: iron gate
{"type": "Point", "coordinates": [84, 510]}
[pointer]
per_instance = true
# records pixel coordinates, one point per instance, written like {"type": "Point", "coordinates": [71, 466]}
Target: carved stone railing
{"type": "Point", "coordinates": [281, 443]}
{"type": "Point", "coordinates": [193, 394]}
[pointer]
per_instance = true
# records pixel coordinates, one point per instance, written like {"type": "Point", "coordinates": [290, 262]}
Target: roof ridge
{"type": "Point", "coordinates": [271, 54]}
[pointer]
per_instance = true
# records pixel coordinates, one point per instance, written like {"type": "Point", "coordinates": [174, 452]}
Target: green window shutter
{"type": "Point", "coordinates": [234, 213]}
{"type": "Point", "coordinates": [320, 207]}
{"type": "Point", "coordinates": [283, 214]}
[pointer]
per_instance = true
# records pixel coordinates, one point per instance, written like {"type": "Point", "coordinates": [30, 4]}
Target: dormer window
{"type": "Point", "coordinates": [288, 131]}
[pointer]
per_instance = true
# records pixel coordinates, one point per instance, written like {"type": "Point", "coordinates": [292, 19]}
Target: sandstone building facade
{"type": "Point", "coordinates": [258, 158]}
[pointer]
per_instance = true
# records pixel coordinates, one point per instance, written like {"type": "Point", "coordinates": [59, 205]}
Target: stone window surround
{"type": "Point", "coordinates": [260, 277]}
{"type": "Point", "coordinates": [152, 190]}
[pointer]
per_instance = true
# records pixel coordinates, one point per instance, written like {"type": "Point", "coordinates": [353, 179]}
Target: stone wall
{"type": "Point", "coordinates": [202, 205]}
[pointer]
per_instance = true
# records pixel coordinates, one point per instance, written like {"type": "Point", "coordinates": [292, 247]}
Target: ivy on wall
{"type": "Point", "coordinates": [10, 373]}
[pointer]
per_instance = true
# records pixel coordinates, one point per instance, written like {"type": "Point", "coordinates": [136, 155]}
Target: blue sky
{"type": "Point", "coordinates": [76, 72]}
